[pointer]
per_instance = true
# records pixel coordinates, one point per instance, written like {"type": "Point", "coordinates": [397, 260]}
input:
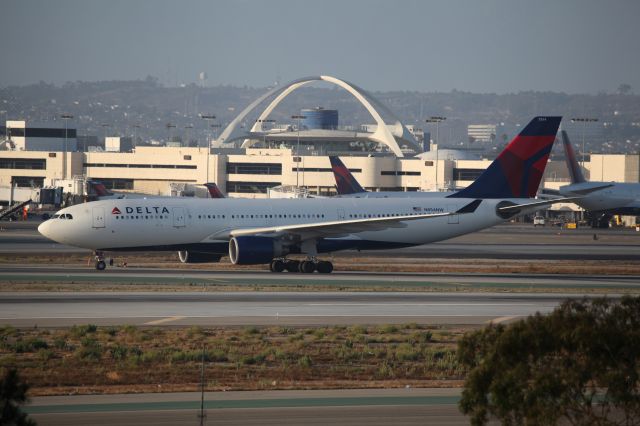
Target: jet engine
{"type": "Point", "coordinates": [189, 256]}
{"type": "Point", "coordinates": [253, 250]}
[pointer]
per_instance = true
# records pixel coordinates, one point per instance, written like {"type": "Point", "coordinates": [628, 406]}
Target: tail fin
{"type": "Point", "coordinates": [346, 184]}
{"type": "Point", "coordinates": [214, 191]}
{"type": "Point", "coordinates": [570, 158]}
{"type": "Point", "coordinates": [517, 171]}
{"type": "Point", "coordinates": [98, 189]}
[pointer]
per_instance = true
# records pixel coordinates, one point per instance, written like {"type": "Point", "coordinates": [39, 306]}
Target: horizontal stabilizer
{"type": "Point", "coordinates": [470, 208]}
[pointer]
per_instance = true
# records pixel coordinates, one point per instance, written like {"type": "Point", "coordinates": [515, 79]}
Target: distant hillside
{"type": "Point", "coordinates": [115, 107]}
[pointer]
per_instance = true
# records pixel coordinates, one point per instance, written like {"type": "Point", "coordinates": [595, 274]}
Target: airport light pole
{"type": "Point", "coordinates": [187, 129]}
{"type": "Point", "coordinates": [66, 118]}
{"type": "Point", "coordinates": [584, 121]}
{"type": "Point", "coordinates": [436, 119]}
{"type": "Point", "coordinates": [169, 127]}
{"type": "Point", "coordinates": [135, 133]}
{"type": "Point", "coordinates": [202, 415]}
{"type": "Point", "coordinates": [298, 117]}
{"type": "Point", "coordinates": [208, 119]}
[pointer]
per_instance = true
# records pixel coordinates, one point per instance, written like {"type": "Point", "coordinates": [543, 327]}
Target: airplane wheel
{"type": "Point", "coordinates": [277, 265]}
{"type": "Point", "coordinates": [101, 265]}
{"type": "Point", "coordinates": [292, 266]}
{"type": "Point", "coordinates": [324, 267]}
{"type": "Point", "coordinates": [307, 267]}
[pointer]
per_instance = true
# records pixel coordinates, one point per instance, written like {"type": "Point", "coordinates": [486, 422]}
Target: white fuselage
{"type": "Point", "coordinates": [616, 197]}
{"type": "Point", "coordinates": [147, 223]}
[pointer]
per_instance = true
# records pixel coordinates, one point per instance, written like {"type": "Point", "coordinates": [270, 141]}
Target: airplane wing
{"type": "Point", "coordinates": [587, 191]}
{"type": "Point", "coordinates": [306, 231]}
{"type": "Point", "coordinates": [516, 208]}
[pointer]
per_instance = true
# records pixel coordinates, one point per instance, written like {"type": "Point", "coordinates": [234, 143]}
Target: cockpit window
{"type": "Point", "coordinates": [63, 216]}
{"type": "Point", "coordinates": [55, 216]}
{"type": "Point", "coordinates": [69, 216]}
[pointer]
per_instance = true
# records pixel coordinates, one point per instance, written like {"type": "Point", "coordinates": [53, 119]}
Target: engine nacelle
{"type": "Point", "coordinates": [188, 256]}
{"type": "Point", "coordinates": [253, 250]}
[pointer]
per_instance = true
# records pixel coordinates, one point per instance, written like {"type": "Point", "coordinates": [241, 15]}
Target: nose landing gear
{"type": "Point", "coordinates": [101, 265]}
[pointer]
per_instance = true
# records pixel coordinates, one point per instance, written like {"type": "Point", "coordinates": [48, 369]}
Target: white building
{"type": "Point", "coordinates": [44, 136]}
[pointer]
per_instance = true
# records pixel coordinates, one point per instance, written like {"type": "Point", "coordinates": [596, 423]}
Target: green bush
{"type": "Point", "coordinates": [90, 349]}
{"type": "Point", "coordinates": [60, 343]}
{"type": "Point", "coordinates": [305, 361]}
{"type": "Point", "coordinates": [118, 352]}
{"type": "Point", "coordinates": [387, 329]}
{"type": "Point", "coordinates": [29, 345]}
{"type": "Point", "coordinates": [251, 330]}
{"type": "Point", "coordinates": [45, 354]}
{"type": "Point", "coordinates": [82, 330]}
{"type": "Point", "coordinates": [406, 352]}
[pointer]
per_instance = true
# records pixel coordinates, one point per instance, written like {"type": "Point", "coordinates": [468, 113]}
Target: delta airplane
{"type": "Point", "coordinates": [100, 192]}
{"type": "Point", "coordinates": [348, 186]}
{"type": "Point", "coordinates": [266, 231]}
{"type": "Point", "coordinates": [602, 199]}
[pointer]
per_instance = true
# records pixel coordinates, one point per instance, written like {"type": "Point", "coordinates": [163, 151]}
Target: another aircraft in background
{"type": "Point", "coordinates": [348, 186]}
{"type": "Point", "coordinates": [98, 191]}
{"type": "Point", "coordinates": [601, 200]}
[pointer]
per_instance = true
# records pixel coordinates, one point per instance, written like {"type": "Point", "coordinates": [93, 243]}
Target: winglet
{"type": "Point", "coordinates": [346, 184]}
{"type": "Point", "coordinates": [470, 208]}
{"type": "Point", "coordinates": [517, 171]}
{"type": "Point", "coordinates": [572, 162]}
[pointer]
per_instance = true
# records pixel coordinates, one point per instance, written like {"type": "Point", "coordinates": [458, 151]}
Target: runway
{"type": "Point", "coordinates": [338, 407]}
{"type": "Point", "coordinates": [267, 308]}
{"type": "Point", "coordinates": [180, 278]}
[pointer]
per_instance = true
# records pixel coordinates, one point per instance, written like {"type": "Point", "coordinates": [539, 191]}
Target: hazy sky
{"type": "Point", "coordinates": [497, 46]}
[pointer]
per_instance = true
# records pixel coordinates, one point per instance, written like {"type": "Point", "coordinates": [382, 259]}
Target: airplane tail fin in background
{"type": "Point", "coordinates": [98, 189]}
{"type": "Point", "coordinates": [570, 158]}
{"type": "Point", "coordinates": [346, 184]}
{"type": "Point", "coordinates": [214, 191]}
{"type": "Point", "coordinates": [517, 171]}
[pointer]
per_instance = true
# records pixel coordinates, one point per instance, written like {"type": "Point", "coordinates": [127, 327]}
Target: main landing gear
{"type": "Point", "coordinates": [101, 265]}
{"type": "Point", "coordinates": [307, 266]}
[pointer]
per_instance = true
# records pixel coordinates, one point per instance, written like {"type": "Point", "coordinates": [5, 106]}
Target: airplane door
{"type": "Point", "coordinates": [340, 214]}
{"type": "Point", "coordinates": [178, 217]}
{"type": "Point", "coordinates": [453, 219]}
{"type": "Point", "coordinates": [98, 217]}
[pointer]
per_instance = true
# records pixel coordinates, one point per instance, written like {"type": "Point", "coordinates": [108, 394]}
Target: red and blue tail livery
{"type": "Point", "coordinates": [346, 184]}
{"type": "Point", "coordinates": [517, 171]}
{"type": "Point", "coordinates": [572, 162]}
{"type": "Point", "coordinates": [214, 191]}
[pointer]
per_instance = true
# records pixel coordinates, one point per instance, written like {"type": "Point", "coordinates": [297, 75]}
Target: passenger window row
{"type": "Point", "coordinates": [279, 216]}
{"type": "Point", "coordinates": [372, 215]}
{"type": "Point", "coordinates": [147, 217]}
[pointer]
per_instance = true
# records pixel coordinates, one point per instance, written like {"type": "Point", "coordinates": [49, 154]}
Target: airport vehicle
{"type": "Point", "coordinates": [266, 231]}
{"type": "Point", "coordinates": [602, 200]}
{"type": "Point", "coordinates": [347, 185]}
{"type": "Point", "coordinates": [538, 220]}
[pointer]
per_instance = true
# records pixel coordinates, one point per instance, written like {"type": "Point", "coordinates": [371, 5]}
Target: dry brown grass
{"type": "Point", "coordinates": [89, 359]}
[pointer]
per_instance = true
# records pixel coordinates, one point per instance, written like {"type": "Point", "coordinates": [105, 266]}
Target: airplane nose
{"type": "Point", "coordinates": [44, 228]}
